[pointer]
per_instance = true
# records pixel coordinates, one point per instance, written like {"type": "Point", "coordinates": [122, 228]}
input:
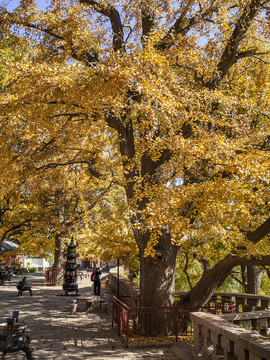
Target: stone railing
{"type": "Point", "coordinates": [258, 321]}
{"type": "Point", "coordinates": [247, 302]}
{"type": "Point", "coordinates": [217, 337]}
{"type": "Point", "coordinates": [244, 302]}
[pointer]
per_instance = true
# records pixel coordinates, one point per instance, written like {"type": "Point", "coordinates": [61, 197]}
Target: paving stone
{"type": "Point", "coordinates": [56, 334]}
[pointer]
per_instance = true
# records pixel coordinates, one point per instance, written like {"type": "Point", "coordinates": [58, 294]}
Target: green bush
{"type": "Point", "coordinates": [33, 269]}
{"type": "Point", "coordinates": [19, 272]}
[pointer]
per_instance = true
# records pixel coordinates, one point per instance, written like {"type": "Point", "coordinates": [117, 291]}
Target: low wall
{"type": "Point", "coordinates": [126, 287]}
{"type": "Point", "coordinates": [217, 337]}
{"type": "Point", "coordinates": [258, 321]}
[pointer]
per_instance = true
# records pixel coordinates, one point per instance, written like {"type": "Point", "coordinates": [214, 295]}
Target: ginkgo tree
{"type": "Point", "coordinates": [17, 212]}
{"type": "Point", "coordinates": [180, 92]}
{"type": "Point", "coordinates": [45, 203]}
{"type": "Point", "coordinates": [42, 207]}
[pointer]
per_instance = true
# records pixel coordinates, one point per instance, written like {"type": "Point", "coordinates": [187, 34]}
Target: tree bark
{"type": "Point", "coordinates": [157, 274]}
{"type": "Point", "coordinates": [157, 286]}
{"type": "Point", "coordinates": [259, 233]}
{"type": "Point", "coordinates": [244, 276]}
{"type": "Point", "coordinates": [157, 283]}
{"type": "Point", "coordinates": [59, 251]}
{"type": "Point", "coordinates": [254, 278]}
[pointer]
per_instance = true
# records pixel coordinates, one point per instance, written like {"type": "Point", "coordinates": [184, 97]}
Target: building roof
{"type": "Point", "coordinates": [7, 245]}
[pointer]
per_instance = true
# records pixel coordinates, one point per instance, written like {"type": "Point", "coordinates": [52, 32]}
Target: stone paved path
{"type": "Point", "coordinates": [56, 334]}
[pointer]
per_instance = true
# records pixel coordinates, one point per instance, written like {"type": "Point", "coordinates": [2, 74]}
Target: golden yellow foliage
{"type": "Point", "coordinates": [167, 100]}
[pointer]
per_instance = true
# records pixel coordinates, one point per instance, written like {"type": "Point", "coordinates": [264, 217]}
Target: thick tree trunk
{"type": "Point", "coordinates": [157, 283]}
{"type": "Point", "coordinates": [156, 274]}
{"type": "Point", "coordinates": [157, 287]}
{"type": "Point", "coordinates": [59, 251]}
{"type": "Point", "coordinates": [254, 278]}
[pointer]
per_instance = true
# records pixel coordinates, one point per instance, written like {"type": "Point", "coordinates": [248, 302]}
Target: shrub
{"type": "Point", "coordinates": [19, 272]}
{"type": "Point", "coordinates": [33, 269]}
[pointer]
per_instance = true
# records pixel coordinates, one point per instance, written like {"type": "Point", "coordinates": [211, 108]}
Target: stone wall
{"type": "Point", "coordinates": [218, 338]}
{"type": "Point", "coordinates": [126, 287]}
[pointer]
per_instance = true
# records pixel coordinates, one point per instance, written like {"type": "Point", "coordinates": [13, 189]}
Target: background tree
{"type": "Point", "coordinates": [17, 210]}
{"type": "Point", "coordinates": [181, 91]}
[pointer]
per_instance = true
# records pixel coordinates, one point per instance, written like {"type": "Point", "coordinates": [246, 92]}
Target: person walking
{"type": "Point", "coordinates": [95, 277]}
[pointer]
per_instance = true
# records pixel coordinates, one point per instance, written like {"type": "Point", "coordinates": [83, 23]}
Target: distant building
{"type": "Point", "coordinates": [7, 246]}
{"type": "Point", "coordinates": [40, 263]}
{"type": "Point", "coordinates": [21, 260]}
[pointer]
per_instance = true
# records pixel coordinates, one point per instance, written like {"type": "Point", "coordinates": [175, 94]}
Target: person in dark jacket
{"type": "Point", "coordinates": [96, 278]}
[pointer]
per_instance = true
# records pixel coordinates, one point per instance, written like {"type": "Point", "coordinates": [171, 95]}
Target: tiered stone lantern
{"type": "Point", "coordinates": [71, 267]}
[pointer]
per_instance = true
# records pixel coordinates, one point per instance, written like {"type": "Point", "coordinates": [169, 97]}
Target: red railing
{"type": "Point", "coordinates": [120, 315]}
{"type": "Point", "coordinates": [54, 276]}
{"type": "Point", "coordinates": [160, 321]}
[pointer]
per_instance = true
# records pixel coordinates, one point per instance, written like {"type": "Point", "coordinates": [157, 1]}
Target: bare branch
{"type": "Point", "coordinates": [238, 280]}
{"type": "Point", "coordinates": [260, 59]}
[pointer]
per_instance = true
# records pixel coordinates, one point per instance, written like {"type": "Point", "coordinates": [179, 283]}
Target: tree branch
{"type": "Point", "coordinates": [148, 20]}
{"type": "Point", "coordinates": [15, 227]}
{"type": "Point", "coordinates": [215, 277]}
{"type": "Point", "coordinates": [230, 53]}
{"type": "Point", "coordinates": [84, 56]}
{"type": "Point", "coordinates": [259, 233]}
{"type": "Point", "coordinates": [117, 27]}
{"type": "Point", "coordinates": [267, 271]}
{"type": "Point", "coordinates": [185, 271]}
{"type": "Point", "coordinates": [251, 53]}
{"type": "Point", "coordinates": [115, 123]}
{"type": "Point", "coordinates": [238, 280]}
{"type": "Point", "coordinates": [91, 169]}
{"type": "Point", "coordinates": [14, 19]}
{"type": "Point", "coordinates": [182, 26]}
{"type": "Point", "coordinates": [71, 115]}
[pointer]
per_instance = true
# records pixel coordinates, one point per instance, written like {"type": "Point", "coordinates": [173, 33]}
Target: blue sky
{"type": "Point", "coordinates": [12, 4]}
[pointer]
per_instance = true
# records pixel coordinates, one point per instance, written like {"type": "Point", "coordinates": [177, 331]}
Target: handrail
{"type": "Point", "coordinates": [244, 302]}
{"type": "Point", "coordinates": [54, 276]}
{"type": "Point", "coordinates": [174, 318]}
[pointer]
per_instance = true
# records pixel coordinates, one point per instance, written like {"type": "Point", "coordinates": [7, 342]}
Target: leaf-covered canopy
{"type": "Point", "coordinates": [167, 99]}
